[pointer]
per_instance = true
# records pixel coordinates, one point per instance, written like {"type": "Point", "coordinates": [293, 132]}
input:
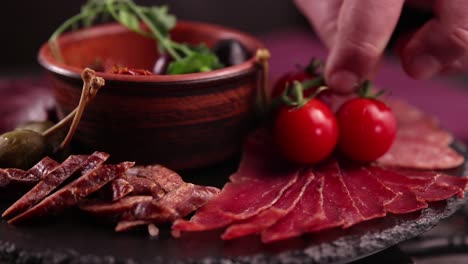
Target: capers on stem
{"type": "Point", "coordinates": [23, 148]}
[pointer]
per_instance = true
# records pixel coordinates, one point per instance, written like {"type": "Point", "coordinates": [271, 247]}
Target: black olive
{"type": "Point", "coordinates": [22, 149]}
{"type": "Point", "coordinates": [161, 64]}
{"type": "Point", "coordinates": [231, 52]}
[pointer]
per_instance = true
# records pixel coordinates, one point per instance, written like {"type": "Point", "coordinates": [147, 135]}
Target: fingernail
{"type": "Point", "coordinates": [343, 81]}
{"type": "Point", "coordinates": [424, 66]}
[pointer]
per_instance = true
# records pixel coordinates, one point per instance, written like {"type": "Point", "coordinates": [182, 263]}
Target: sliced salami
{"type": "Point", "coordinates": [167, 179]}
{"type": "Point", "coordinates": [75, 191]}
{"type": "Point", "coordinates": [80, 164]}
{"type": "Point", "coordinates": [176, 204]}
{"type": "Point", "coordinates": [30, 177]}
{"type": "Point", "coordinates": [144, 186]}
{"type": "Point", "coordinates": [116, 190]}
{"type": "Point", "coordinates": [121, 209]}
{"type": "Point", "coordinates": [124, 226]}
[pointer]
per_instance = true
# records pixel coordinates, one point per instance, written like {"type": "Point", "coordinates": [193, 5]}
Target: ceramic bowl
{"type": "Point", "coordinates": [182, 121]}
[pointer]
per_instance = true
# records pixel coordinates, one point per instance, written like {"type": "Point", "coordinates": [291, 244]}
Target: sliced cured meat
{"type": "Point", "coordinates": [167, 179]}
{"type": "Point", "coordinates": [271, 215]}
{"type": "Point", "coordinates": [444, 187]}
{"type": "Point", "coordinates": [426, 133]}
{"type": "Point", "coordinates": [54, 179]}
{"type": "Point", "coordinates": [93, 161]}
{"type": "Point", "coordinates": [407, 114]}
{"type": "Point", "coordinates": [429, 186]}
{"type": "Point", "coordinates": [338, 203]}
{"type": "Point", "coordinates": [412, 179]}
{"type": "Point", "coordinates": [144, 186]}
{"type": "Point", "coordinates": [116, 189]}
{"type": "Point", "coordinates": [75, 191]}
{"type": "Point", "coordinates": [257, 185]}
{"type": "Point", "coordinates": [176, 204]}
{"type": "Point", "coordinates": [29, 177]}
{"type": "Point", "coordinates": [441, 187]}
{"type": "Point", "coordinates": [46, 186]}
{"type": "Point", "coordinates": [420, 142]}
{"type": "Point", "coordinates": [121, 209]}
{"type": "Point", "coordinates": [123, 226]}
{"type": "Point", "coordinates": [406, 200]}
{"type": "Point", "coordinates": [308, 211]}
{"type": "Point", "coordinates": [418, 154]}
{"type": "Point", "coordinates": [369, 194]}
{"type": "Point", "coordinates": [251, 198]}
{"type": "Point", "coordinates": [42, 168]}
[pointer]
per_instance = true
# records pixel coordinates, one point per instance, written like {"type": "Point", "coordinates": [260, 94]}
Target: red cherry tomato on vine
{"type": "Point", "coordinates": [307, 134]}
{"type": "Point", "coordinates": [367, 129]}
{"type": "Point", "coordinates": [289, 78]}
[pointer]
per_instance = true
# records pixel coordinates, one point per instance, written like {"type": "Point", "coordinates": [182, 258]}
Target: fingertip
{"type": "Point", "coordinates": [422, 66]}
{"type": "Point", "coordinates": [343, 81]}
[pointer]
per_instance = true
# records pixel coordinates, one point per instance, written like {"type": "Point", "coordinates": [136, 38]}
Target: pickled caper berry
{"type": "Point", "coordinates": [37, 126]}
{"type": "Point", "coordinates": [22, 149]}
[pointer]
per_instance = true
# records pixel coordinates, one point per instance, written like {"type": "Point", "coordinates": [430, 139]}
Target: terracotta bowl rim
{"type": "Point", "coordinates": [46, 60]}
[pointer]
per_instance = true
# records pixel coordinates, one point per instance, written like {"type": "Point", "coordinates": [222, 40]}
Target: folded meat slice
{"type": "Point", "coordinates": [121, 209]}
{"type": "Point", "coordinates": [308, 212]}
{"type": "Point", "coordinates": [406, 200]}
{"type": "Point", "coordinates": [369, 194]}
{"type": "Point", "coordinates": [144, 186]}
{"type": "Point", "coordinates": [30, 177]}
{"type": "Point", "coordinates": [412, 179]}
{"type": "Point", "coordinates": [440, 186]}
{"type": "Point", "coordinates": [419, 154]}
{"type": "Point", "coordinates": [175, 204]}
{"type": "Point", "coordinates": [80, 164]}
{"type": "Point", "coordinates": [270, 216]}
{"type": "Point", "coordinates": [124, 225]}
{"type": "Point", "coordinates": [116, 190]}
{"type": "Point", "coordinates": [258, 184]}
{"type": "Point", "coordinates": [420, 142]}
{"type": "Point", "coordinates": [75, 191]}
{"type": "Point", "coordinates": [167, 179]}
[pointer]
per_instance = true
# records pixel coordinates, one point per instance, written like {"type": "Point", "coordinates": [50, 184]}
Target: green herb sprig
{"type": "Point", "coordinates": [158, 21]}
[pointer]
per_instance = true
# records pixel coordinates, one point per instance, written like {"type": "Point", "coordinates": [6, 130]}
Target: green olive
{"type": "Point", "coordinates": [38, 126]}
{"type": "Point", "coordinates": [22, 149]}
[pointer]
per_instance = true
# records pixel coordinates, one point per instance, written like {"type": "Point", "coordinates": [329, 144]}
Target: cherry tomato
{"type": "Point", "coordinates": [307, 134]}
{"type": "Point", "coordinates": [289, 78]}
{"type": "Point", "coordinates": [367, 129]}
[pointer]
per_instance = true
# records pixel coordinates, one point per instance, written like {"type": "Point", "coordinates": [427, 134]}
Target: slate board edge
{"type": "Point", "coordinates": [369, 243]}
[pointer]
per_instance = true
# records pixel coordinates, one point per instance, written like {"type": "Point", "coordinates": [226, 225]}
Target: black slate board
{"type": "Point", "coordinates": [76, 238]}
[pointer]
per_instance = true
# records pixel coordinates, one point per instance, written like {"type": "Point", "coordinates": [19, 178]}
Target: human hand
{"type": "Point", "coordinates": [357, 32]}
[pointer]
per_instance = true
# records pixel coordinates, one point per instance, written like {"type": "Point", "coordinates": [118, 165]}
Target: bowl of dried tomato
{"type": "Point", "coordinates": [193, 115]}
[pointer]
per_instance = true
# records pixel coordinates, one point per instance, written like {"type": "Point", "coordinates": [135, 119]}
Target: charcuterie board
{"type": "Point", "coordinates": [76, 238]}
